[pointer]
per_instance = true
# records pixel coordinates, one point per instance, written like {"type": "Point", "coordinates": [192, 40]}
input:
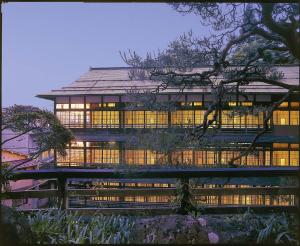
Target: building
{"type": "Point", "coordinates": [97, 109]}
{"type": "Point", "coordinates": [16, 151]}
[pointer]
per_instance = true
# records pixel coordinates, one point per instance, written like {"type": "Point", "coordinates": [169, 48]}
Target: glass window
{"type": "Point", "coordinates": [197, 104]}
{"type": "Point", "coordinates": [232, 104]}
{"type": "Point", "coordinates": [153, 158]}
{"type": "Point", "coordinates": [294, 158]}
{"type": "Point", "coordinates": [247, 104]}
{"type": "Point", "coordinates": [294, 117]}
{"type": "Point", "coordinates": [199, 117]}
{"type": "Point", "coordinates": [105, 119]}
{"type": "Point", "coordinates": [135, 157]}
{"type": "Point", "coordinates": [280, 145]}
{"type": "Point", "coordinates": [182, 118]}
{"type": "Point", "coordinates": [187, 157]}
{"type": "Point", "coordinates": [227, 120]}
{"type": "Point", "coordinates": [76, 119]}
{"type": "Point", "coordinates": [176, 157]}
{"type": "Point", "coordinates": [62, 106]}
{"type": "Point", "coordinates": [77, 106]}
{"type": "Point", "coordinates": [284, 105]}
{"type": "Point", "coordinates": [280, 158]}
{"type": "Point", "coordinates": [63, 117]}
{"type": "Point", "coordinates": [295, 104]}
{"type": "Point", "coordinates": [111, 105]}
{"type": "Point", "coordinates": [281, 117]}
{"type": "Point", "coordinates": [200, 157]}
{"type": "Point", "coordinates": [134, 119]}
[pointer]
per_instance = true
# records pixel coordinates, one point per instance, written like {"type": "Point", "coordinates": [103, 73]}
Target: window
{"type": "Point", "coordinates": [197, 104]}
{"type": "Point", "coordinates": [105, 119]}
{"type": "Point", "coordinates": [63, 117]}
{"type": "Point", "coordinates": [156, 119]}
{"type": "Point", "coordinates": [280, 145]}
{"type": "Point", "coordinates": [76, 118]}
{"type": "Point", "coordinates": [294, 117]}
{"type": "Point", "coordinates": [199, 117]}
{"type": "Point", "coordinates": [295, 104]}
{"type": "Point", "coordinates": [187, 157]}
{"type": "Point", "coordinates": [294, 158]}
{"type": "Point", "coordinates": [232, 104]}
{"type": "Point", "coordinates": [134, 119]}
{"type": "Point", "coordinates": [77, 106]}
{"type": "Point", "coordinates": [182, 118]}
{"type": "Point", "coordinates": [111, 105]}
{"type": "Point", "coordinates": [247, 104]}
{"type": "Point", "coordinates": [281, 117]}
{"type": "Point", "coordinates": [62, 106]}
{"type": "Point", "coordinates": [135, 157]}
{"type": "Point", "coordinates": [199, 158]}
{"type": "Point", "coordinates": [103, 156]}
{"type": "Point", "coordinates": [284, 105]}
{"type": "Point", "coordinates": [280, 158]}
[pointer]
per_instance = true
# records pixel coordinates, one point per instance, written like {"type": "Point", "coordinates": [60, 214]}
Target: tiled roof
{"type": "Point", "coordinates": [116, 80]}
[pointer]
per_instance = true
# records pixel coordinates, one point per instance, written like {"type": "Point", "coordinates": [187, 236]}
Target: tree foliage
{"type": "Point", "coordinates": [247, 40]}
{"type": "Point", "coordinates": [47, 131]}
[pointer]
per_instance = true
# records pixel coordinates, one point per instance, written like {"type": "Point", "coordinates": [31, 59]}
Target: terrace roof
{"type": "Point", "coordinates": [116, 81]}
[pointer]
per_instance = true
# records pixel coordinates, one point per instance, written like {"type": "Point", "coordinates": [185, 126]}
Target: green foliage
{"type": "Point", "coordinates": [56, 226]}
{"type": "Point", "coordinates": [278, 229]}
{"type": "Point", "coordinates": [48, 132]}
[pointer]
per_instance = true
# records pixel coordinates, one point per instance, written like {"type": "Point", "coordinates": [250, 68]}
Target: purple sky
{"type": "Point", "coordinates": [49, 45]}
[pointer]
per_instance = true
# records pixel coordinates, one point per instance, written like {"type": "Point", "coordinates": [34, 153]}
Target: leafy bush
{"type": "Point", "coordinates": [278, 229]}
{"type": "Point", "coordinates": [56, 226]}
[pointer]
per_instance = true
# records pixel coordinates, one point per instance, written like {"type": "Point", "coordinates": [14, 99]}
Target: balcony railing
{"type": "Point", "coordinates": [63, 193]}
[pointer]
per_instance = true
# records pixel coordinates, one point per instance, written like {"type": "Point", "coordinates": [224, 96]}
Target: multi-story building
{"type": "Point", "coordinates": [97, 109]}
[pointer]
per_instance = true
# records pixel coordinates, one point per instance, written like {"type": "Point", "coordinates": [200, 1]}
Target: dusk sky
{"type": "Point", "coordinates": [49, 45]}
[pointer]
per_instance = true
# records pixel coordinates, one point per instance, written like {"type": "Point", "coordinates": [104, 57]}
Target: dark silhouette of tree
{"type": "Point", "coordinates": [247, 40]}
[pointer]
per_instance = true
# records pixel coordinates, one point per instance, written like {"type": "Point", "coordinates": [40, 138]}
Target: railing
{"type": "Point", "coordinates": [63, 193]}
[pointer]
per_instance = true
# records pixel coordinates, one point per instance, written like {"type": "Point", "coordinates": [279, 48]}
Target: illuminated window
{"type": "Point", "coordinates": [211, 157]}
{"type": "Point", "coordinates": [103, 156]}
{"type": "Point", "coordinates": [76, 118]}
{"type": "Point", "coordinates": [227, 120]}
{"type": "Point", "coordinates": [62, 106]}
{"type": "Point", "coordinates": [199, 117]}
{"type": "Point", "coordinates": [280, 145]}
{"type": "Point", "coordinates": [151, 157]}
{"type": "Point", "coordinates": [134, 119]}
{"type": "Point", "coordinates": [231, 104]}
{"type": "Point", "coordinates": [281, 117]}
{"type": "Point", "coordinates": [284, 105]}
{"type": "Point", "coordinates": [295, 104]}
{"type": "Point", "coordinates": [176, 157]}
{"type": "Point", "coordinates": [247, 104]}
{"type": "Point", "coordinates": [197, 104]}
{"type": "Point", "coordinates": [87, 105]}
{"type": "Point", "coordinates": [111, 105]}
{"type": "Point", "coordinates": [156, 119]}
{"type": "Point", "coordinates": [294, 117]}
{"type": "Point", "coordinates": [227, 156]}
{"type": "Point", "coordinates": [135, 157]}
{"type": "Point", "coordinates": [77, 106]}
{"type": "Point", "coordinates": [267, 158]}
{"type": "Point", "coordinates": [294, 158]}
{"type": "Point", "coordinates": [182, 118]}
{"type": "Point", "coordinates": [63, 117]}
{"type": "Point", "coordinates": [294, 146]}
{"type": "Point", "coordinates": [187, 157]}
{"type": "Point", "coordinates": [105, 119]}
{"type": "Point", "coordinates": [76, 144]}
{"type": "Point", "coordinates": [200, 157]}
{"type": "Point", "coordinates": [280, 158]}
